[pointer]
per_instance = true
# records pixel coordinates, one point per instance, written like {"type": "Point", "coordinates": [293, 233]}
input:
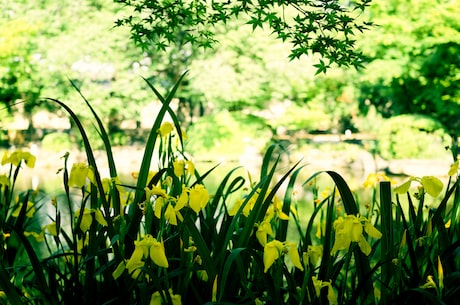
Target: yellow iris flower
{"type": "Point", "coordinates": [147, 247]}
{"type": "Point", "coordinates": [331, 296]}
{"type": "Point", "coordinates": [79, 173]}
{"type": "Point", "coordinates": [87, 218]}
{"type": "Point", "coordinates": [350, 229]}
{"type": "Point", "coordinates": [432, 185]}
{"type": "Point", "coordinates": [16, 157]}
{"type": "Point", "coordinates": [275, 248]}
{"type": "Point", "coordinates": [263, 231]}
{"type": "Point", "coordinates": [373, 179]}
{"type": "Point", "coordinates": [156, 298]}
{"type": "Point", "coordinates": [198, 197]}
{"type": "Point", "coordinates": [165, 129]}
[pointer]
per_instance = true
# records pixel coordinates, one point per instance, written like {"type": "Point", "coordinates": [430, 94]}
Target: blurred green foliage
{"type": "Point", "coordinates": [413, 136]}
{"type": "Point", "coordinates": [228, 135]}
{"type": "Point", "coordinates": [412, 68]}
{"type": "Point", "coordinates": [56, 141]}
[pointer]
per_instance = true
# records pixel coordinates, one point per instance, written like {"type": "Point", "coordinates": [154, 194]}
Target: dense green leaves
{"type": "Point", "coordinates": [325, 28]}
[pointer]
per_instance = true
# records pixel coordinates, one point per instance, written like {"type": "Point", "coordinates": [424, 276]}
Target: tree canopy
{"type": "Point", "coordinates": [324, 27]}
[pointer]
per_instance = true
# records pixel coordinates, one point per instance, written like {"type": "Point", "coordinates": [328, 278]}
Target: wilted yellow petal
{"type": "Point", "coordinates": [318, 284]}
{"type": "Point", "coordinates": [175, 298]}
{"type": "Point", "coordinates": [433, 186]}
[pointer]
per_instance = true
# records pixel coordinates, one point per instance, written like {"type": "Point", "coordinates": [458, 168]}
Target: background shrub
{"type": "Point", "coordinates": [227, 134]}
{"type": "Point", "coordinates": [56, 141]}
{"type": "Point", "coordinates": [412, 136]}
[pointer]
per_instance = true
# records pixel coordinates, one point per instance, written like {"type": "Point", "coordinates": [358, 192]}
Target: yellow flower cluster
{"type": "Point", "coordinates": [350, 229]}
{"type": "Point", "coordinates": [196, 198]}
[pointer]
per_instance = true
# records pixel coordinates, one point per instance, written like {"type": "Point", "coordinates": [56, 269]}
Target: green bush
{"type": "Point", "coordinates": [56, 141]}
{"type": "Point", "coordinates": [412, 136]}
{"type": "Point", "coordinates": [228, 135]}
{"type": "Point", "coordinates": [308, 118]}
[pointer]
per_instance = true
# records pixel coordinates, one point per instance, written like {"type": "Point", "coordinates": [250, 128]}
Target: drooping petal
{"type": "Point", "coordinates": [157, 254]}
{"type": "Point", "coordinates": [170, 215]}
{"type": "Point", "coordinates": [155, 299]}
{"type": "Point", "coordinates": [294, 255]}
{"type": "Point", "coordinates": [135, 263]}
{"type": "Point", "coordinates": [433, 186]}
{"type": "Point", "coordinates": [404, 188]}
{"type": "Point", "coordinates": [364, 246]}
{"type": "Point", "coordinates": [86, 219]}
{"type": "Point", "coordinates": [119, 271]}
{"type": "Point", "coordinates": [159, 206]}
{"type": "Point", "coordinates": [175, 298]}
{"type": "Point", "coordinates": [272, 252]}
{"type": "Point", "coordinates": [331, 296]}
{"type": "Point", "coordinates": [371, 230]}
{"type": "Point", "coordinates": [100, 218]}
{"type": "Point", "coordinates": [264, 229]}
